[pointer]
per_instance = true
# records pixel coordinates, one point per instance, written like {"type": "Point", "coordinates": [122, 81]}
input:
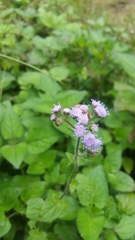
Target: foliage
{"type": "Point", "coordinates": [50, 54]}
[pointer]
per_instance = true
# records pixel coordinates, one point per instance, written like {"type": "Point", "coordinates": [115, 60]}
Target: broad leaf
{"type": "Point", "coordinates": [126, 227]}
{"type": "Point", "coordinates": [40, 140]}
{"type": "Point", "coordinates": [5, 227]}
{"type": "Point", "coordinates": [11, 126]}
{"type": "Point", "coordinates": [125, 101]}
{"type": "Point", "coordinates": [126, 203]}
{"type": "Point", "coordinates": [66, 231]}
{"type": "Point", "coordinates": [85, 188]}
{"type": "Point", "coordinates": [44, 160]}
{"type": "Point", "coordinates": [110, 235]}
{"type": "Point", "coordinates": [48, 210]}
{"type": "Point", "coordinates": [35, 234]}
{"type": "Point", "coordinates": [9, 196]}
{"type": "Point", "coordinates": [33, 190]}
{"type": "Point", "coordinates": [59, 73]}
{"type": "Point", "coordinates": [127, 61]}
{"type": "Point", "coordinates": [14, 153]}
{"type": "Point", "coordinates": [123, 182]}
{"type": "Point", "coordinates": [100, 193]}
{"type": "Point", "coordinates": [89, 227]}
{"type": "Point", "coordinates": [68, 98]}
{"type": "Point", "coordinates": [113, 161]}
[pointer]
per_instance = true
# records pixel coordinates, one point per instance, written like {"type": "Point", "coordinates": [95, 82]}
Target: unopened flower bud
{"type": "Point", "coordinates": [58, 121]}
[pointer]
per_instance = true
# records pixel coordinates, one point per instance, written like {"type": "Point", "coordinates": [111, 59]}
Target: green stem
{"type": "Point", "coordinates": [74, 169]}
{"type": "Point", "coordinates": [24, 63]}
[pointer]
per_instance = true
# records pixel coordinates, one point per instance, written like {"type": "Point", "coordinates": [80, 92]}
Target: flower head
{"type": "Point", "coordinates": [56, 108]}
{"type": "Point", "coordinates": [84, 108]}
{"type": "Point", "coordinates": [83, 119]}
{"type": "Point", "coordinates": [66, 110]}
{"type": "Point", "coordinates": [94, 127]}
{"type": "Point", "coordinates": [79, 130]}
{"type": "Point", "coordinates": [100, 109]}
{"type": "Point", "coordinates": [91, 142]}
{"type": "Point", "coordinates": [53, 117]}
{"type": "Point", "coordinates": [75, 112]}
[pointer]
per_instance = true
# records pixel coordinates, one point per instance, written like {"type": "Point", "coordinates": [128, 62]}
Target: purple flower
{"type": "Point", "coordinates": [53, 117]}
{"type": "Point", "coordinates": [94, 127]}
{"type": "Point", "coordinates": [84, 108]}
{"type": "Point", "coordinates": [79, 130]}
{"type": "Point", "coordinates": [56, 108]}
{"type": "Point", "coordinates": [75, 112]}
{"type": "Point", "coordinates": [66, 110]}
{"type": "Point", "coordinates": [83, 119]}
{"type": "Point", "coordinates": [100, 109]}
{"type": "Point", "coordinates": [95, 103]}
{"type": "Point", "coordinates": [91, 142]}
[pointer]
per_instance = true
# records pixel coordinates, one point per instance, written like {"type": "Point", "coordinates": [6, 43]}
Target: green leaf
{"type": "Point", "coordinates": [126, 227]}
{"type": "Point", "coordinates": [29, 78]}
{"type": "Point", "coordinates": [48, 210]}
{"type": "Point", "coordinates": [100, 193]}
{"type": "Point", "coordinates": [33, 190]}
{"type": "Point", "coordinates": [37, 105]}
{"type": "Point", "coordinates": [126, 203]}
{"type": "Point", "coordinates": [84, 188]}
{"type": "Point", "coordinates": [120, 86]}
{"type": "Point", "coordinates": [111, 213]}
{"type": "Point", "coordinates": [14, 153]}
{"type": "Point", "coordinates": [35, 234]}
{"type": "Point", "coordinates": [5, 228]}
{"type": "Point", "coordinates": [125, 101]}
{"type": "Point", "coordinates": [40, 140]}
{"type": "Point", "coordinates": [113, 120]}
{"type": "Point", "coordinates": [69, 98]}
{"type": "Point", "coordinates": [89, 227]}
{"type": "Point", "coordinates": [44, 160]}
{"type": "Point", "coordinates": [66, 231]}
{"type": "Point", "coordinates": [50, 19]}
{"type": "Point", "coordinates": [113, 161]}
{"type": "Point", "coordinates": [46, 85]}
{"type": "Point", "coordinates": [110, 235]}
{"type": "Point", "coordinates": [105, 135]}
{"type": "Point", "coordinates": [127, 61]}
{"type": "Point", "coordinates": [9, 196]}
{"type": "Point", "coordinates": [59, 73]}
{"type": "Point", "coordinates": [5, 79]}
{"type": "Point", "coordinates": [11, 126]}
{"type": "Point", "coordinates": [2, 215]}
{"type": "Point", "coordinates": [123, 182]}
{"type": "Point", "coordinates": [128, 164]}
{"type": "Point", "coordinates": [34, 208]}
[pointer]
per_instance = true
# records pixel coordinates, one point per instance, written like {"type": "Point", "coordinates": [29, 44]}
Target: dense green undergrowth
{"type": "Point", "coordinates": [50, 54]}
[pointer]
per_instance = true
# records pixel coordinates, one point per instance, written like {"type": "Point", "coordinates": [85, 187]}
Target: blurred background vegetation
{"type": "Point", "coordinates": [69, 52]}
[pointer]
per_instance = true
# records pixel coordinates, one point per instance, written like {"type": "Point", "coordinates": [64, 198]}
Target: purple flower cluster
{"type": "Point", "coordinates": [84, 127]}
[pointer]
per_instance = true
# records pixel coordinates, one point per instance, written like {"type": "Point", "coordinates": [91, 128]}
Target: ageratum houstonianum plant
{"type": "Point", "coordinates": [84, 129]}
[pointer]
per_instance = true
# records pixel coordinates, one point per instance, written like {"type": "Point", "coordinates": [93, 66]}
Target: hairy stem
{"type": "Point", "coordinates": [74, 169]}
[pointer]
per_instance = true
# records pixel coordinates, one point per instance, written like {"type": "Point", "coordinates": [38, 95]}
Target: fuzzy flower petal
{"type": "Point", "coordinates": [84, 108]}
{"type": "Point", "coordinates": [79, 130]}
{"type": "Point", "coordinates": [75, 112]}
{"type": "Point", "coordinates": [56, 108]}
{"type": "Point", "coordinates": [99, 108]}
{"type": "Point", "coordinates": [95, 103]}
{"type": "Point", "coordinates": [94, 127]}
{"type": "Point", "coordinates": [101, 111]}
{"type": "Point", "coordinates": [83, 119]}
{"type": "Point", "coordinates": [66, 110]}
{"type": "Point", "coordinates": [91, 142]}
{"type": "Point", "coordinates": [53, 117]}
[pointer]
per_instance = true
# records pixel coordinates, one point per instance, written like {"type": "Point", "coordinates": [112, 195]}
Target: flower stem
{"type": "Point", "coordinates": [74, 169]}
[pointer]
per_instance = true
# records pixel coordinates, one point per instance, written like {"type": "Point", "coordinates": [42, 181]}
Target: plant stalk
{"type": "Point", "coordinates": [74, 169]}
